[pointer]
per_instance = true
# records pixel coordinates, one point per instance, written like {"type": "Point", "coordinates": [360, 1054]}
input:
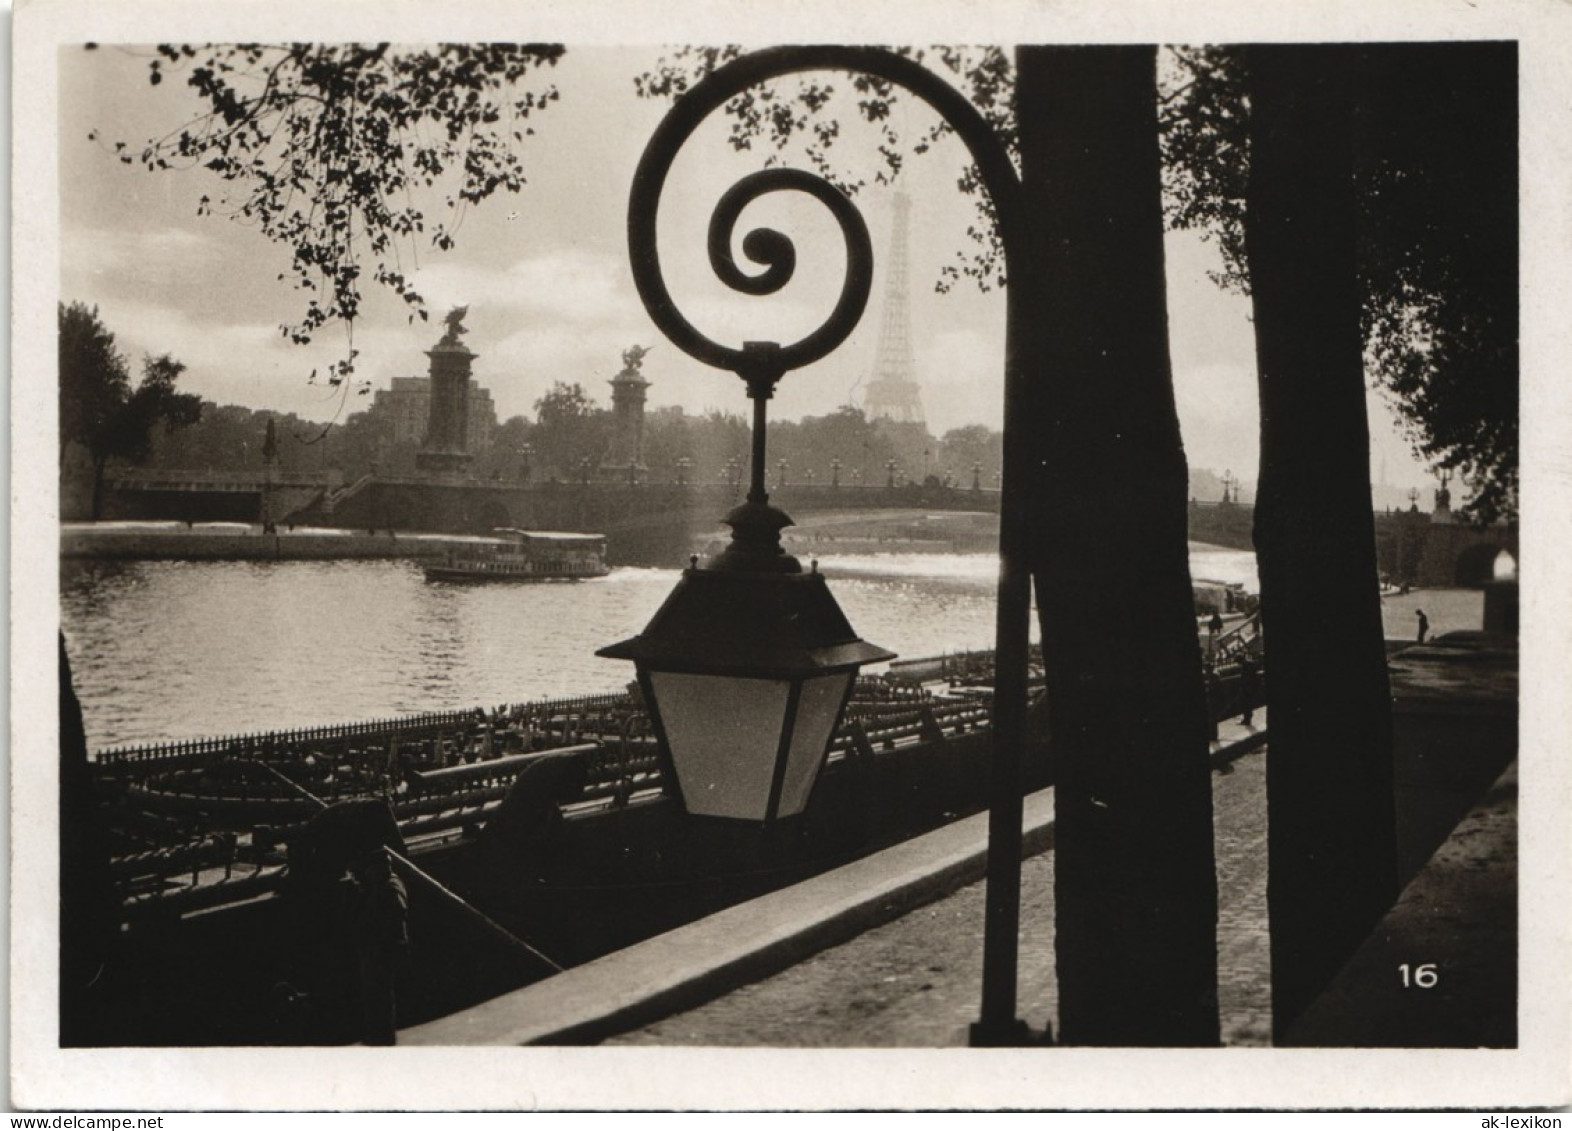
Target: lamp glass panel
{"type": "Point", "coordinates": [724, 733]}
{"type": "Point", "coordinates": [816, 710]}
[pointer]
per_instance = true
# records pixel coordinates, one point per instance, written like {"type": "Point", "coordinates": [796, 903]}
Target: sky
{"type": "Point", "coordinates": [546, 279]}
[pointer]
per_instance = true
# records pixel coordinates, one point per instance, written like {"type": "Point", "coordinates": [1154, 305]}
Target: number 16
{"type": "Point", "coordinates": [1424, 976]}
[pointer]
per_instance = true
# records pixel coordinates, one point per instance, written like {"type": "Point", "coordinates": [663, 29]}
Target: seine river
{"type": "Point", "coordinates": [166, 650]}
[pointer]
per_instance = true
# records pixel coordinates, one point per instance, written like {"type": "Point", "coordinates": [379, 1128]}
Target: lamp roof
{"type": "Point", "coordinates": [737, 623]}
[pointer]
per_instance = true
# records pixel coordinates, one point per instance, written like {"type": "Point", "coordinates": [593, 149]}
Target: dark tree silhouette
{"type": "Point", "coordinates": [1135, 889]}
{"type": "Point", "coordinates": [1437, 173]}
{"type": "Point", "coordinates": [1331, 818]}
{"type": "Point", "coordinates": [98, 407]}
{"type": "Point", "coordinates": [1434, 134]}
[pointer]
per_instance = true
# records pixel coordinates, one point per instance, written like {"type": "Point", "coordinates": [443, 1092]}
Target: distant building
{"type": "Point", "coordinates": [407, 405]}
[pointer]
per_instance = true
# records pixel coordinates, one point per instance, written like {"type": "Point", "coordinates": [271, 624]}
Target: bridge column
{"type": "Point", "coordinates": [447, 432]}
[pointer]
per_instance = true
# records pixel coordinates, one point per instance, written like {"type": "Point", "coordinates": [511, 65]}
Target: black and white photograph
{"type": "Point", "coordinates": [790, 558]}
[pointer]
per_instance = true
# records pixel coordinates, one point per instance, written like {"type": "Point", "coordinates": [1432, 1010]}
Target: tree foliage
{"type": "Point", "coordinates": [98, 407]}
{"type": "Point", "coordinates": [805, 116]}
{"type": "Point", "coordinates": [1437, 160]}
{"type": "Point", "coordinates": [1434, 139]}
{"type": "Point", "coordinates": [325, 148]}
{"type": "Point", "coordinates": [94, 381]}
{"type": "Point", "coordinates": [572, 432]}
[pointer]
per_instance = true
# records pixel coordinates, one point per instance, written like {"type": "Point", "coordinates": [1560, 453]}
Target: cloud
{"type": "Point", "coordinates": [109, 251]}
{"type": "Point", "coordinates": [962, 379]}
{"type": "Point", "coordinates": [567, 284]}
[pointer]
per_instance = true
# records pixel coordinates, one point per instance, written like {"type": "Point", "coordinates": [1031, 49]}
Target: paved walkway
{"type": "Point", "coordinates": [884, 951]}
{"type": "Point", "coordinates": [887, 951]}
{"type": "Point", "coordinates": [916, 981]}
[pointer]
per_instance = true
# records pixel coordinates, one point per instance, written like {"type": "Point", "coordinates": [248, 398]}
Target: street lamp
{"type": "Point", "coordinates": [889, 466]}
{"type": "Point", "coordinates": [761, 364]}
{"type": "Point", "coordinates": [748, 666]}
{"type": "Point", "coordinates": [835, 472]}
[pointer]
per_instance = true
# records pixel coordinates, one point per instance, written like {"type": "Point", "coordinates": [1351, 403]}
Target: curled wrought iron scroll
{"type": "Point", "coordinates": [768, 247]}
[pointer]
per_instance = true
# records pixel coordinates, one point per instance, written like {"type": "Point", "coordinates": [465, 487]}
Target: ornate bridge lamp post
{"type": "Point", "coordinates": [835, 472]}
{"type": "Point", "coordinates": [889, 466]}
{"type": "Point", "coordinates": [780, 473]}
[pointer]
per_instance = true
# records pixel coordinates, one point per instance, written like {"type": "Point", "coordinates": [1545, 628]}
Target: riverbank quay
{"type": "Point", "coordinates": [887, 952]}
{"type": "Point", "coordinates": [234, 541]}
{"type": "Point", "coordinates": [884, 952]}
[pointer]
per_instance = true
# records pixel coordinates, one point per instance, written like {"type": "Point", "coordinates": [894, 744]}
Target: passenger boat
{"type": "Point", "coordinates": [525, 555]}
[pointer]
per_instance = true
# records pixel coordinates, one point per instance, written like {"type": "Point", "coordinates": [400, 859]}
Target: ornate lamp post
{"type": "Point", "coordinates": [835, 472]}
{"type": "Point", "coordinates": [748, 630]}
{"type": "Point", "coordinates": [526, 468]}
{"type": "Point", "coordinates": [889, 466]}
{"type": "Point", "coordinates": [1230, 485]}
{"type": "Point", "coordinates": [755, 553]}
{"type": "Point", "coordinates": [976, 476]}
{"type": "Point", "coordinates": [780, 473]}
{"type": "Point", "coordinates": [682, 470]}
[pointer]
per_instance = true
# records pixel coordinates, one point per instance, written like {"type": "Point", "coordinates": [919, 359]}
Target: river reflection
{"type": "Point", "coordinates": [165, 650]}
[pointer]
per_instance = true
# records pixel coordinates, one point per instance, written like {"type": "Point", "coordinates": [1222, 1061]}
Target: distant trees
{"type": "Point", "coordinates": [569, 430]}
{"type": "Point", "coordinates": [326, 148]}
{"type": "Point", "coordinates": [98, 407]}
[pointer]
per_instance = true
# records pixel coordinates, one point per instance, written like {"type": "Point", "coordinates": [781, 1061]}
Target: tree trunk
{"type": "Point", "coordinates": [1332, 837]}
{"type": "Point", "coordinates": [99, 464]}
{"type": "Point", "coordinates": [1135, 887]}
{"type": "Point", "coordinates": [88, 903]}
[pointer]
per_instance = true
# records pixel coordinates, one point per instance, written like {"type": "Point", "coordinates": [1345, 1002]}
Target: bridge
{"type": "Point", "coordinates": [661, 523]}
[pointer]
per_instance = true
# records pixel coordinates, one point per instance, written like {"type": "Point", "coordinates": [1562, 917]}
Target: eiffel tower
{"type": "Point", "coordinates": [892, 393]}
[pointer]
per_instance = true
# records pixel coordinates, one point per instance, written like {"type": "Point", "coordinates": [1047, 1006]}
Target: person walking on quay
{"type": "Point", "coordinates": [1247, 691]}
{"type": "Point", "coordinates": [1424, 624]}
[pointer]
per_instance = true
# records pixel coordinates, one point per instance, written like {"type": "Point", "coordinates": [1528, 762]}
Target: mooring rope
{"type": "Point", "coordinates": [432, 882]}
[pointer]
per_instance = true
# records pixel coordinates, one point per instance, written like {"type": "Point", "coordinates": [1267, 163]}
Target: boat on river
{"type": "Point", "coordinates": [525, 555]}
